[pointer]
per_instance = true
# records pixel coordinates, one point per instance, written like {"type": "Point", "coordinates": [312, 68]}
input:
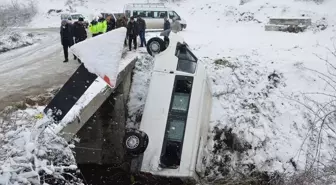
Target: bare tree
{"type": "Point", "coordinates": [322, 123]}
{"type": "Point", "coordinates": [16, 14]}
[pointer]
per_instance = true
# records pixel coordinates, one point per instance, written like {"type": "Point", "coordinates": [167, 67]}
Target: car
{"type": "Point", "coordinates": [176, 115]}
{"type": "Point", "coordinates": [153, 14]}
{"type": "Point", "coordinates": [73, 17]}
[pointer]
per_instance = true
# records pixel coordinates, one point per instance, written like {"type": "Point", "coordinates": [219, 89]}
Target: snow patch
{"type": "Point", "coordinates": [139, 89]}
{"type": "Point", "coordinates": [15, 40]}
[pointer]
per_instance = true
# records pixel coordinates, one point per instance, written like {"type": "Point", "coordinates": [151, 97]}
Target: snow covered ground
{"type": "Point", "coordinates": [263, 85]}
{"type": "Point", "coordinates": [33, 69]}
{"type": "Point", "coordinates": [269, 87]}
{"type": "Point", "coordinates": [15, 40]}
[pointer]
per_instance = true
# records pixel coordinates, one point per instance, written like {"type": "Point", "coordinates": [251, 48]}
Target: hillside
{"type": "Point", "coordinates": [273, 92]}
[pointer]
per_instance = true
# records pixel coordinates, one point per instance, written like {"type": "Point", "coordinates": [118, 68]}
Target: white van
{"type": "Point", "coordinates": [153, 14]}
{"type": "Point", "coordinates": [176, 114]}
{"type": "Point", "coordinates": [74, 17]}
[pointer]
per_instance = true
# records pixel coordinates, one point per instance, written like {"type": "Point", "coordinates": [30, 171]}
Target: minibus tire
{"type": "Point", "coordinates": [159, 42]}
{"type": "Point", "coordinates": [135, 141]}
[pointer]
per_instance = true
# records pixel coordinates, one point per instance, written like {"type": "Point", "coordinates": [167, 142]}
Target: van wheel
{"type": "Point", "coordinates": [135, 141]}
{"type": "Point", "coordinates": [155, 46]}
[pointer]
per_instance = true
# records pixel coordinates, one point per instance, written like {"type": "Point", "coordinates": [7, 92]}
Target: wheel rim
{"type": "Point", "coordinates": [154, 47]}
{"type": "Point", "coordinates": [132, 142]}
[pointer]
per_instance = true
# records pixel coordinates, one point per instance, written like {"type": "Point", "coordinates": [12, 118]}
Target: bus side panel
{"type": "Point", "coordinates": [199, 127]}
{"type": "Point", "coordinates": [154, 118]}
{"type": "Point", "coordinates": [206, 114]}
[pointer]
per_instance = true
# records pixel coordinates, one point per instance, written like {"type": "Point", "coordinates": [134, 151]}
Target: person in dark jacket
{"type": "Point", "coordinates": [166, 26]}
{"type": "Point", "coordinates": [67, 40]}
{"type": "Point", "coordinates": [142, 29]}
{"type": "Point", "coordinates": [132, 33]}
{"type": "Point", "coordinates": [111, 23]}
{"type": "Point", "coordinates": [79, 31]}
{"type": "Point", "coordinates": [122, 22]}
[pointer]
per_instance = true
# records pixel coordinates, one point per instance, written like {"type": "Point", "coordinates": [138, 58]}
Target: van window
{"type": "Point", "coordinates": [76, 16]}
{"type": "Point", "coordinates": [150, 14]}
{"type": "Point", "coordinates": [171, 15]}
{"type": "Point", "coordinates": [187, 61]}
{"type": "Point", "coordinates": [128, 13]}
{"type": "Point", "coordinates": [176, 15]}
{"type": "Point", "coordinates": [176, 123]}
{"type": "Point", "coordinates": [143, 14]}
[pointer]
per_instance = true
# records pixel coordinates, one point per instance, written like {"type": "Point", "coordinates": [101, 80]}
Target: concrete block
{"type": "Point", "coordinates": [291, 21]}
{"type": "Point", "coordinates": [102, 134]}
{"type": "Point", "coordinates": [73, 127]}
{"type": "Point", "coordinates": [285, 28]}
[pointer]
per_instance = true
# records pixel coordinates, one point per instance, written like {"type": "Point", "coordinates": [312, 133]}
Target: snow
{"type": "Point", "coordinates": [28, 152]}
{"type": "Point", "coordinates": [101, 55]}
{"type": "Point", "coordinates": [13, 40]}
{"type": "Point", "coordinates": [139, 90]}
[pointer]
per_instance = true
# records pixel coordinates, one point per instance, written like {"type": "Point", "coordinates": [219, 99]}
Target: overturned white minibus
{"type": "Point", "coordinates": [176, 114]}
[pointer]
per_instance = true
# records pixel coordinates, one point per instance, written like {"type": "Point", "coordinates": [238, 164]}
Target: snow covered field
{"type": "Point", "coordinates": [273, 93]}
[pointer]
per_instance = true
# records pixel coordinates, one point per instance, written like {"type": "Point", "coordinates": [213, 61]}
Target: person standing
{"type": "Point", "coordinates": [67, 40]}
{"type": "Point", "coordinates": [122, 22]}
{"type": "Point", "coordinates": [142, 30]}
{"type": "Point", "coordinates": [166, 26]}
{"type": "Point", "coordinates": [102, 24]}
{"type": "Point", "coordinates": [175, 25]}
{"type": "Point", "coordinates": [132, 33]}
{"type": "Point", "coordinates": [79, 31]}
{"type": "Point", "coordinates": [111, 23]}
{"type": "Point", "coordinates": [94, 28]}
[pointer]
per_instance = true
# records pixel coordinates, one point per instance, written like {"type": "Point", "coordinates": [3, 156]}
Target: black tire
{"type": "Point", "coordinates": [135, 141]}
{"type": "Point", "coordinates": [159, 43]}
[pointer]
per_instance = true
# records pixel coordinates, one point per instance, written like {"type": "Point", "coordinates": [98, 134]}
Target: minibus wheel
{"type": "Point", "coordinates": [135, 141]}
{"type": "Point", "coordinates": [155, 45]}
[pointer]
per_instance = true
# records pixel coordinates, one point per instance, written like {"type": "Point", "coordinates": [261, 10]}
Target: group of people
{"type": "Point", "coordinates": [72, 33]}
{"type": "Point", "coordinates": [135, 28]}
{"type": "Point", "coordinates": [76, 32]}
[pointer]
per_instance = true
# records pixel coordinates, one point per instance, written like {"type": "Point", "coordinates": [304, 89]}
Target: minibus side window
{"type": "Point", "coordinates": [159, 14]}
{"type": "Point", "coordinates": [176, 123]}
{"type": "Point", "coordinates": [143, 14]}
{"type": "Point", "coordinates": [187, 61]}
{"type": "Point", "coordinates": [171, 15]}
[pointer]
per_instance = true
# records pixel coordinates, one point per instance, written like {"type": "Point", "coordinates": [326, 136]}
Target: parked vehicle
{"type": "Point", "coordinates": [176, 114]}
{"type": "Point", "coordinates": [153, 14]}
{"type": "Point", "coordinates": [74, 17]}
{"type": "Point", "coordinates": [105, 14]}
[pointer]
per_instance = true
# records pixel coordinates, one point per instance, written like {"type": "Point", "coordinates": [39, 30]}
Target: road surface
{"type": "Point", "coordinates": [34, 69]}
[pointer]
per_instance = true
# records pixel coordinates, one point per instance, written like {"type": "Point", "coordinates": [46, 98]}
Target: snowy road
{"type": "Point", "coordinates": [33, 69]}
